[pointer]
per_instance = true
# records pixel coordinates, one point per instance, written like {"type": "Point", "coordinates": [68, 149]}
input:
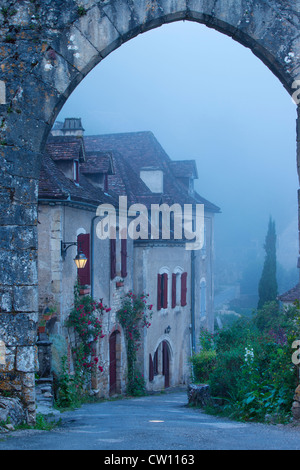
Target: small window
{"type": "Point", "coordinates": [176, 289]}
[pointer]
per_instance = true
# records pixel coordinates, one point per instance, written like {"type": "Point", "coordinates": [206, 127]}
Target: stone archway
{"type": "Point", "coordinates": [46, 50]}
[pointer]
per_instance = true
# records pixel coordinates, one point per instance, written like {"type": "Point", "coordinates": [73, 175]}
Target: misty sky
{"type": "Point", "coordinates": [206, 97]}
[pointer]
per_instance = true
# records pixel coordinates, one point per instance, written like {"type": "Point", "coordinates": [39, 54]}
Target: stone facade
{"type": "Point", "coordinates": [175, 326]}
{"type": "Point", "coordinates": [47, 48]}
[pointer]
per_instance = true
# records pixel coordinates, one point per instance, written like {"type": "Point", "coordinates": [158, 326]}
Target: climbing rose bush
{"type": "Point", "coordinates": [85, 318]}
{"type": "Point", "coordinates": [134, 315]}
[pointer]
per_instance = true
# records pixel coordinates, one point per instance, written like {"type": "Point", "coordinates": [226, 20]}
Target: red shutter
{"type": "Point", "coordinates": [124, 257]}
{"type": "Point", "coordinates": [173, 290]}
{"type": "Point", "coordinates": [183, 288]}
{"type": "Point", "coordinates": [83, 244]}
{"type": "Point", "coordinates": [165, 297]}
{"type": "Point", "coordinates": [151, 369]}
{"type": "Point", "coordinates": [159, 292]}
{"type": "Point", "coordinates": [113, 259]}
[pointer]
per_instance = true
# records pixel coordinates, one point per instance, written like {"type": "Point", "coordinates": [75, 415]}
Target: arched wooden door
{"type": "Point", "coordinates": [166, 363]}
{"type": "Point", "coordinates": [113, 363]}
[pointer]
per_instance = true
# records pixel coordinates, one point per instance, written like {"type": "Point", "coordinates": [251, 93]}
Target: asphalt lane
{"type": "Point", "coordinates": [155, 423]}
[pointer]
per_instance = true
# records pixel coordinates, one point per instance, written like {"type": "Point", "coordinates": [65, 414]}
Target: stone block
{"type": "Point", "coordinates": [19, 328]}
{"type": "Point", "coordinates": [99, 30]}
{"type": "Point", "coordinates": [296, 410]}
{"type": "Point", "coordinates": [11, 409]}
{"type": "Point", "coordinates": [25, 299]}
{"type": "Point", "coordinates": [199, 395]}
{"type": "Point", "coordinates": [2, 92]}
{"type": "Point", "coordinates": [26, 359]}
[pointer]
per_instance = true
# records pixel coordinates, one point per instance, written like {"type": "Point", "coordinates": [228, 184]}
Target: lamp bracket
{"type": "Point", "coordinates": [65, 246]}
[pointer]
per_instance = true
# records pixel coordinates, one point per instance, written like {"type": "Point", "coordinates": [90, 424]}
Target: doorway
{"type": "Point", "coordinates": [114, 363]}
{"type": "Point", "coordinates": [166, 363]}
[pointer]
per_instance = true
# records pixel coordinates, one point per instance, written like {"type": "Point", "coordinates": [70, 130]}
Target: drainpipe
{"type": "Point", "coordinates": [193, 256]}
{"type": "Point", "coordinates": [92, 253]}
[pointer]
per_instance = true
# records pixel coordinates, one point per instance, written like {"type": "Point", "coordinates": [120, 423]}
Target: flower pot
{"type": "Point", "coordinates": [84, 291]}
{"type": "Point", "coordinates": [119, 284]}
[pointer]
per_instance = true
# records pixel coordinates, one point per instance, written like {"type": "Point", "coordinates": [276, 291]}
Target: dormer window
{"type": "Point", "coordinates": [76, 171]}
{"type": "Point", "coordinates": [153, 178]}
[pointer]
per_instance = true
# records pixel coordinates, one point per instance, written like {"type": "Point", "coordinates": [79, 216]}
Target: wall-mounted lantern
{"type": "Point", "coordinates": [80, 259]}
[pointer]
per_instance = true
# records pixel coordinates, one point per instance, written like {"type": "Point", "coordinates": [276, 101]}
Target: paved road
{"type": "Point", "coordinates": [157, 422]}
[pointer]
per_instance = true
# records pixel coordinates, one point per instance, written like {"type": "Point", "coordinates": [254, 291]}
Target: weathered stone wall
{"type": "Point", "coordinates": [46, 49]}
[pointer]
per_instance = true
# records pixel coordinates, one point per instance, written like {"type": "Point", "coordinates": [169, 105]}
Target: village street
{"type": "Point", "coordinates": [159, 422]}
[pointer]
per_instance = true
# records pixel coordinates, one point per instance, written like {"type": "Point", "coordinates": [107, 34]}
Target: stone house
{"type": "Point", "coordinates": [289, 298]}
{"type": "Point", "coordinates": [73, 183]}
{"type": "Point", "coordinates": [79, 173]}
{"type": "Point", "coordinates": [179, 281]}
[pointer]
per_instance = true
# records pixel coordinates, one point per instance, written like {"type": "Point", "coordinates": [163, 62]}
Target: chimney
{"type": "Point", "coordinates": [71, 126]}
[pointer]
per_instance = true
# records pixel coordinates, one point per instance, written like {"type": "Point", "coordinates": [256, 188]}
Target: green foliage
{"type": "Point", "coordinates": [268, 288]}
{"type": "Point", "coordinates": [206, 340]}
{"type": "Point", "coordinates": [85, 322]}
{"type": "Point", "coordinates": [134, 315]}
{"type": "Point", "coordinates": [84, 318]}
{"type": "Point", "coordinates": [81, 11]}
{"type": "Point", "coordinates": [136, 386]}
{"type": "Point", "coordinates": [252, 371]}
{"type": "Point", "coordinates": [203, 364]}
{"type": "Point", "coordinates": [67, 391]}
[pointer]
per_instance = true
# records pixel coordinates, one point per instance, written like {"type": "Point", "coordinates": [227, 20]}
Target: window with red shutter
{"type": "Point", "coordinates": [84, 274]}
{"type": "Point", "coordinates": [113, 259]}
{"type": "Point", "coordinates": [159, 282]}
{"type": "Point", "coordinates": [165, 290]}
{"type": "Point", "coordinates": [183, 288]}
{"type": "Point", "coordinates": [173, 290]}
{"type": "Point", "coordinates": [124, 257]}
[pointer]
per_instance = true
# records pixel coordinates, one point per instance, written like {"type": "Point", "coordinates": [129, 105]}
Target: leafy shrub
{"type": "Point", "coordinates": [252, 370]}
{"type": "Point", "coordinates": [203, 364]}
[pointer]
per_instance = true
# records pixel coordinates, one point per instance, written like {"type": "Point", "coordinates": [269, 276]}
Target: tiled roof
{"type": "Point", "coordinates": [134, 151]}
{"type": "Point", "coordinates": [66, 148]}
{"type": "Point", "coordinates": [98, 162]}
{"type": "Point", "coordinates": [53, 184]}
{"type": "Point", "coordinates": [291, 295]}
{"type": "Point", "coordinates": [184, 168]}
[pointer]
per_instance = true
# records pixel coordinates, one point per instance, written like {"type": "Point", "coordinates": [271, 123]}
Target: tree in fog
{"type": "Point", "coordinates": [267, 288]}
